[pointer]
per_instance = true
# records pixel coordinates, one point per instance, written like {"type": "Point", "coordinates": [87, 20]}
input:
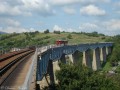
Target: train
{"type": "Point", "coordinates": [61, 42]}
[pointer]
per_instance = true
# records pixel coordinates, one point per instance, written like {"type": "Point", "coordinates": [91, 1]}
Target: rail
{"type": "Point", "coordinates": [7, 69]}
{"type": "Point", "coordinates": [29, 79]}
{"type": "Point", "coordinates": [8, 55]}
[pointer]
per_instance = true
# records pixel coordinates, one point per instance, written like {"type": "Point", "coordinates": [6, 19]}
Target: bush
{"type": "Point", "coordinates": [57, 32]}
{"type": "Point", "coordinates": [115, 56]}
{"type": "Point", "coordinates": [46, 31]}
{"type": "Point", "coordinates": [69, 36]}
{"type": "Point", "coordinates": [103, 38]}
{"type": "Point", "coordinates": [77, 77]}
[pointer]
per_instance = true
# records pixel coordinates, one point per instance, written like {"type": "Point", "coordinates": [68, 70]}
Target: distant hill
{"type": "Point", "coordinates": [2, 32]}
{"type": "Point", "coordinates": [41, 39]}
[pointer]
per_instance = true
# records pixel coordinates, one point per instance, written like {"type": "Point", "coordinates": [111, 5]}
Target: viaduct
{"type": "Point", "coordinates": [91, 55]}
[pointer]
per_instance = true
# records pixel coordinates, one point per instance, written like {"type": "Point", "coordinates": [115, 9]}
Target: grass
{"type": "Point", "coordinates": [23, 40]}
{"type": "Point", "coordinates": [107, 67]}
{"type": "Point", "coordinates": [76, 38]}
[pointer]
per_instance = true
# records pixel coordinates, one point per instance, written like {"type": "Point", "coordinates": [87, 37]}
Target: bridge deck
{"type": "Point", "coordinates": [17, 77]}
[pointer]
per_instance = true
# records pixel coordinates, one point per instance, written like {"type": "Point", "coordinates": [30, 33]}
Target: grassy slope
{"type": "Point", "coordinates": [40, 37]}
{"type": "Point", "coordinates": [76, 38]}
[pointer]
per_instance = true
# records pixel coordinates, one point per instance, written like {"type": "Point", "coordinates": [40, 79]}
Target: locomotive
{"type": "Point", "coordinates": [61, 42]}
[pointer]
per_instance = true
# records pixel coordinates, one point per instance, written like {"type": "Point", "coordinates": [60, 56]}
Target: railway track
{"type": "Point", "coordinates": [10, 61]}
{"type": "Point", "coordinates": [11, 54]}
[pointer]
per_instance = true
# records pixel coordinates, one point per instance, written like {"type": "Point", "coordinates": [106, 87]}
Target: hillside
{"type": "Point", "coordinates": [39, 39]}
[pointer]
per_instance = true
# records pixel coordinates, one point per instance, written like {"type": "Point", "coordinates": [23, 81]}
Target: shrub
{"type": "Point", "coordinates": [57, 32]}
{"type": "Point", "coordinates": [46, 31]}
{"type": "Point", "coordinates": [69, 36]}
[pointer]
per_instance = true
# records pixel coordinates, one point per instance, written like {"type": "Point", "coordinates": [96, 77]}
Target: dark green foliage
{"type": "Point", "coordinates": [57, 32]}
{"type": "Point", "coordinates": [46, 31]}
{"type": "Point", "coordinates": [6, 36]}
{"type": "Point", "coordinates": [75, 77]}
{"type": "Point", "coordinates": [93, 34]}
{"type": "Point", "coordinates": [63, 38]}
{"type": "Point", "coordinates": [118, 70]}
{"type": "Point", "coordinates": [46, 37]}
{"type": "Point", "coordinates": [115, 56]}
{"type": "Point", "coordinates": [103, 37]}
{"type": "Point", "coordinates": [69, 36]}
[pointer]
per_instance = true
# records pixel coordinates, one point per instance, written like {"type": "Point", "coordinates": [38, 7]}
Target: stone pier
{"type": "Point", "coordinates": [103, 54]}
{"type": "Point", "coordinates": [96, 65]}
{"type": "Point", "coordinates": [51, 72]}
{"type": "Point", "coordinates": [55, 68]}
{"type": "Point", "coordinates": [87, 59]}
{"type": "Point", "coordinates": [108, 50]}
{"type": "Point", "coordinates": [71, 58]}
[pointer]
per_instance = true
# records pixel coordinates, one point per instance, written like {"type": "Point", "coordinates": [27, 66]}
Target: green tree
{"type": "Point", "coordinates": [56, 32]}
{"type": "Point", "coordinates": [46, 31]}
{"type": "Point", "coordinates": [77, 77]}
{"type": "Point", "coordinates": [69, 36]}
{"type": "Point", "coordinates": [115, 56]}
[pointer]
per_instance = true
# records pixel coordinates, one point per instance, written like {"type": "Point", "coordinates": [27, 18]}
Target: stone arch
{"type": "Point", "coordinates": [63, 58]}
{"type": "Point", "coordinates": [108, 50]}
{"type": "Point", "coordinates": [77, 57]}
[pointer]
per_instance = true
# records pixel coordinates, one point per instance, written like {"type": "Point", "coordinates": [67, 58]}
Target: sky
{"type": "Point", "coordinates": [19, 16]}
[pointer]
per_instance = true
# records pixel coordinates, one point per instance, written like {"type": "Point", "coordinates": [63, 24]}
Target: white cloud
{"type": "Point", "coordinates": [88, 27]}
{"type": "Point", "coordinates": [10, 25]}
{"type": "Point", "coordinates": [96, 1]}
{"type": "Point", "coordinates": [68, 2]}
{"type": "Point", "coordinates": [92, 10]}
{"type": "Point", "coordinates": [11, 29]}
{"type": "Point", "coordinates": [32, 30]}
{"type": "Point", "coordinates": [25, 7]}
{"type": "Point", "coordinates": [5, 8]}
{"type": "Point", "coordinates": [57, 28]}
{"type": "Point", "coordinates": [41, 7]}
{"type": "Point", "coordinates": [69, 10]}
{"type": "Point", "coordinates": [63, 2]}
{"type": "Point", "coordinates": [13, 9]}
{"type": "Point", "coordinates": [9, 22]}
{"type": "Point", "coordinates": [67, 29]}
{"type": "Point", "coordinates": [112, 25]}
{"type": "Point", "coordinates": [14, 29]}
{"type": "Point", "coordinates": [38, 6]}
{"type": "Point", "coordinates": [71, 30]}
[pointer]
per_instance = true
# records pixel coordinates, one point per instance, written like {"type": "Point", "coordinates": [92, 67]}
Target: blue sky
{"type": "Point", "coordinates": [102, 16]}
